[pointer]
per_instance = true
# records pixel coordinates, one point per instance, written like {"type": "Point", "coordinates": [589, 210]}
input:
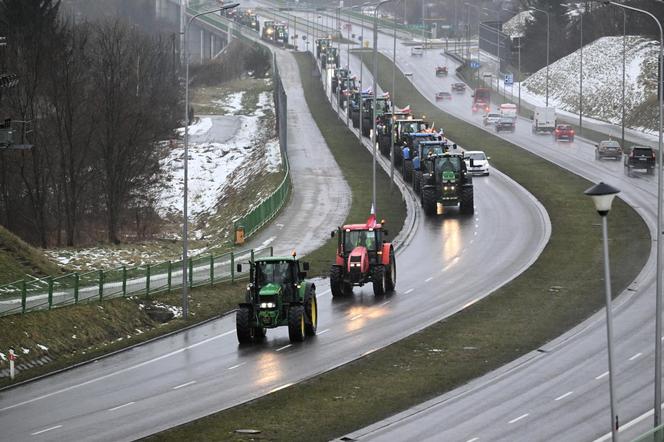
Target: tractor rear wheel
{"type": "Point", "coordinates": [296, 323]}
{"type": "Point", "coordinates": [407, 170]}
{"type": "Point", "coordinates": [466, 206]}
{"type": "Point", "coordinates": [378, 279]}
{"type": "Point", "coordinates": [337, 282]}
{"type": "Point", "coordinates": [391, 274]}
{"type": "Point", "coordinates": [417, 179]}
{"type": "Point", "coordinates": [311, 312]}
{"type": "Point", "coordinates": [245, 332]}
{"type": "Point", "coordinates": [429, 200]}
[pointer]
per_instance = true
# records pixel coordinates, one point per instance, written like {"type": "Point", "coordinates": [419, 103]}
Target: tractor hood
{"type": "Point", "coordinates": [358, 260]}
{"type": "Point", "coordinates": [270, 289]}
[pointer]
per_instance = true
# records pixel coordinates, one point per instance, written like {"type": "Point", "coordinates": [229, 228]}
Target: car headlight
{"type": "Point", "coordinates": [268, 305]}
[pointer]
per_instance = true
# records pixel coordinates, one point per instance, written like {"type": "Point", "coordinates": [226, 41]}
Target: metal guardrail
{"type": "Point", "coordinates": [654, 435]}
{"type": "Point", "coordinates": [146, 280]}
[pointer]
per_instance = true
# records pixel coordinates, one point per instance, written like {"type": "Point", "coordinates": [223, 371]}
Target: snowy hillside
{"type": "Point", "coordinates": [515, 26]}
{"type": "Point", "coordinates": [602, 82]}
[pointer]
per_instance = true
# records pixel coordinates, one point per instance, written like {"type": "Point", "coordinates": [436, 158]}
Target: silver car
{"type": "Point", "coordinates": [491, 118]}
{"type": "Point", "coordinates": [480, 163]}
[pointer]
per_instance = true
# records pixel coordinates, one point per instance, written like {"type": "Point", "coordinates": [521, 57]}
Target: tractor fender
{"type": "Point", "coordinates": [306, 289]}
{"type": "Point", "coordinates": [339, 261]}
{"type": "Point", "coordinates": [385, 257]}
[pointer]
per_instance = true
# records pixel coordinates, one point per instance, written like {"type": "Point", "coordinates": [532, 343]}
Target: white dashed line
{"type": "Point", "coordinates": [121, 406]}
{"type": "Point", "coordinates": [284, 347]}
{"type": "Point", "coordinates": [280, 388]}
{"type": "Point", "coordinates": [385, 303]}
{"type": "Point", "coordinates": [236, 366]}
{"type": "Point", "coordinates": [44, 431]}
{"type": "Point", "coordinates": [473, 439]}
{"type": "Point", "coordinates": [635, 356]}
{"type": "Point", "coordinates": [564, 395]}
{"type": "Point", "coordinates": [355, 317]}
{"type": "Point", "coordinates": [184, 385]}
{"type": "Point", "coordinates": [517, 419]}
{"type": "Point", "coordinates": [428, 279]}
{"type": "Point", "coordinates": [408, 291]}
{"type": "Point", "coordinates": [602, 375]}
{"type": "Point", "coordinates": [323, 331]}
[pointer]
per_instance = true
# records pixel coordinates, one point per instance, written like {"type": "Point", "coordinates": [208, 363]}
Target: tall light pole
{"type": "Point", "coordinates": [547, 52]}
{"type": "Point", "coordinates": [603, 195]}
{"type": "Point", "coordinates": [497, 45]}
{"type": "Point", "coordinates": [185, 239]}
{"type": "Point", "coordinates": [622, 138]}
{"type": "Point", "coordinates": [468, 6]}
{"type": "Point", "coordinates": [393, 98]}
{"type": "Point", "coordinates": [658, 289]}
{"type": "Point", "coordinates": [375, 94]}
{"type": "Point", "coordinates": [581, 77]}
{"type": "Point", "coordinates": [519, 57]}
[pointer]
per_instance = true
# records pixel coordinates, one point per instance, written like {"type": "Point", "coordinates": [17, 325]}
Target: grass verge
{"type": "Point", "coordinates": [18, 258]}
{"type": "Point", "coordinates": [557, 292]}
{"type": "Point", "coordinates": [76, 334]}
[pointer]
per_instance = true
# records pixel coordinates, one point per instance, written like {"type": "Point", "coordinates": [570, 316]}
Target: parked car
{"type": "Point", "coordinates": [505, 125]}
{"type": "Point", "coordinates": [641, 158]}
{"type": "Point", "coordinates": [443, 96]}
{"type": "Point", "coordinates": [608, 149]}
{"type": "Point", "coordinates": [480, 163]}
{"type": "Point", "coordinates": [563, 132]}
{"type": "Point", "coordinates": [491, 118]}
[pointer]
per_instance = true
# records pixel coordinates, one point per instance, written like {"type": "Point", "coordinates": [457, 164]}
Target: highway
{"type": "Point", "coordinates": [203, 370]}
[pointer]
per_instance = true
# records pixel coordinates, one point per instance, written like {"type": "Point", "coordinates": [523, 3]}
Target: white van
{"type": "Point", "coordinates": [508, 110]}
{"type": "Point", "coordinates": [416, 50]}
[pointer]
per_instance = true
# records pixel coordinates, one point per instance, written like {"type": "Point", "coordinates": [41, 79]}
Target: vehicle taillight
{"type": "Point", "coordinates": [572, 132]}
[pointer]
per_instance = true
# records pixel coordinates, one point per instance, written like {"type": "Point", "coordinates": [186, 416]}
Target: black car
{"type": "Point", "coordinates": [640, 157]}
{"type": "Point", "coordinates": [505, 125]}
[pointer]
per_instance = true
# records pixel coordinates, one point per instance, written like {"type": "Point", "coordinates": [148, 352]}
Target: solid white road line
{"type": "Point", "coordinates": [473, 439]}
{"type": "Point", "coordinates": [468, 304]}
{"type": "Point", "coordinates": [369, 352]}
{"type": "Point", "coordinates": [284, 347]}
{"type": "Point", "coordinates": [606, 373]}
{"type": "Point", "coordinates": [635, 356]}
{"type": "Point", "coordinates": [385, 303]}
{"type": "Point", "coordinates": [428, 279]}
{"type": "Point", "coordinates": [121, 406]}
{"type": "Point", "coordinates": [564, 395]}
{"type": "Point", "coordinates": [184, 385]}
{"type": "Point", "coordinates": [44, 431]}
{"type": "Point", "coordinates": [236, 366]}
{"type": "Point", "coordinates": [323, 331]}
{"type": "Point", "coordinates": [517, 419]}
{"type": "Point", "coordinates": [355, 317]}
{"type": "Point", "coordinates": [280, 388]}
{"type": "Point", "coordinates": [117, 372]}
{"type": "Point", "coordinates": [628, 425]}
{"type": "Point", "coordinates": [408, 291]}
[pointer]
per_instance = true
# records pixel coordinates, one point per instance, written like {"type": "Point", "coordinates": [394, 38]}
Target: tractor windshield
{"type": "Point", "coordinates": [359, 238]}
{"type": "Point", "coordinates": [278, 272]}
{"type": "Point", "coordinates": [448, 164]}
{"type": "Point", "coordinates": [432, 149]}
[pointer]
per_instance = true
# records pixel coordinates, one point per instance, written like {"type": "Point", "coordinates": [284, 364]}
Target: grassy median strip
{"type": "Point", "coordinates": [562, 288]}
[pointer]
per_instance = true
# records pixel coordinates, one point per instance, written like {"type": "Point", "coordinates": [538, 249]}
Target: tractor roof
{"type": "Point", "coordinates": [371, 224]}
{"type": "Point", "coordinates": [276, 258]}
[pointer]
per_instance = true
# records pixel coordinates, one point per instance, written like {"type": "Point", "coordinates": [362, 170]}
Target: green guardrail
{"type": "Point", "coordinates": [144, 281]}
{"type": "Point", "coordinates": [654, 435]}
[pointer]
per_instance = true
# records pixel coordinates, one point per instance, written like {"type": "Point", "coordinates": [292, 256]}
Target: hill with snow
{"type": "Point", "coordinates": [602, 82]}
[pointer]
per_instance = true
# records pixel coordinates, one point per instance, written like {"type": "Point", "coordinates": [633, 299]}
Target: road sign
{"type": "Point", "coordinates": [509, 79]}
{"type": "Point", "coordinates": [474, 64]}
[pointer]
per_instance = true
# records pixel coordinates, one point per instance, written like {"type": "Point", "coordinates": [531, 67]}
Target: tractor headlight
{"type": "Point", "coordinates": [268, 305]}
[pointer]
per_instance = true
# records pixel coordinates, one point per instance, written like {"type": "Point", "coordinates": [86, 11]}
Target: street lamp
{"type": "Point", "coordinates": [522, 27]}
{"type": "Point", "coordinates": [374, 104]}
{"type": "Point", "coordinates": [468, 5]}
{"type": "Point", "coordinates": [658, 289]}
{"type": "Point", "coordinates": [580, 76]}
{"type": "Point", "coordinates": [497, 45]}
{"type": "Point", "coordinates": [547, 53]}
{"type": "Point", "coordinates": [603, 195]}
{"type": "Point", "coordinates": [393, 98]}
{"type": "Point", "coordinates": [185, 239]}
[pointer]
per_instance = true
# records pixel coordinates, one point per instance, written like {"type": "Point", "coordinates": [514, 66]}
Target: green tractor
{"type": "Point", "coordinates": [277, 295]}
{"type": "Point", "coordinates": [446, 182]}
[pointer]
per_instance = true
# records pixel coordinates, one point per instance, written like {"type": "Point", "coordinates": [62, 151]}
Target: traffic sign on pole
{"type": "Point", "coordinates": [509, 79]}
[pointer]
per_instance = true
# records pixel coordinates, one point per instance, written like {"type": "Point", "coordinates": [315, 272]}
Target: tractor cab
{"type": "Point", "coordinates": [448, 168]}
{"type": "Point", "coordinates": [275, 276]}
{"type": "Point", "coordinates": [268, 30]}
{"type": "Point", "coordinates": [321, 46]}
{"type": "Point", "coordinates": [409, 126]}
{"type": "Point", "coordinates": [424, 149]}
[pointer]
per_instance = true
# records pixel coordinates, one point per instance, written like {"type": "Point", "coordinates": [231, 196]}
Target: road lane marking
{"type": "Point", "coordinates": [602, 375]}
{"type": "Point", "coordinates": [284, 347]}
{"type": "Point", "coordinates": [324, 331]}
{"type": "Point", "coordinates": [517, 419]}
{"type": "Point", "coordinates": [635, 356]}
{"type": "Point", "coordinates": [473, 439]}
{"type": "Point", "coordinates": [428, 279]}
{"type": "Point", "coordinates": [117, 372]}
{"type": "Point", "coordinates": [356, 317]}
{"type": "Point", "coordinates": [186, 384]}
{"type": "Point", "coordinates": [121, 406]}
{"type": "Point", "coordinates": [369, 352]}
{"type": "Point", "coordinates": [564, 395]}
{"type": "Point", "coordinates": [44, 431]}
{"type": "Point", "coordinates": [236, 366]}
{"type": "Point", "coordinates": [469, 303]}
{"type": "Point", "coordinates": [280, 388]}
{"type": "Point", "coordinates": [408, 291]}
{"type": "Point", "coordinates": [385, 303]}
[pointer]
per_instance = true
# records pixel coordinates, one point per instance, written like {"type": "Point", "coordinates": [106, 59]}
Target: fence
{"type": "Point", "coordinates": [146, 280]}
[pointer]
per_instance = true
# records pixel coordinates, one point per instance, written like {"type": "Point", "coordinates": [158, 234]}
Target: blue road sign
{"type": "Point", "coordinates": [474, 64]}
{"type": "Point", "coordinates": [509, 79]}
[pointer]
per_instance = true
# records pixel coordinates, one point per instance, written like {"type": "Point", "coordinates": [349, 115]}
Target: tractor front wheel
{"type": "Point", "coordinates": [378, 279]}
{"type": "Point", "coordinates": [337, 281]}
{"type": "Point", "coordinates": [296, 323]}
{"type": "Point", "coordinates": [311, 311]}
{"type": "Point", "coordinates": [466, 206]}
{"type": "Point", "coordinates": [429, 200]}
{"type": "Point", "coordinates": [391, 274]}
{"type": "Point", "coordinates": [246, 334]}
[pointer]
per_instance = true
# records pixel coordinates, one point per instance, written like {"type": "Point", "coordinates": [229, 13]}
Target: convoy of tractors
{"type": "Point", "coordinates": [279, 293]}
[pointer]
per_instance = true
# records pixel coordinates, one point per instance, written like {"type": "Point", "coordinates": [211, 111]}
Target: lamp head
{"type": "Point", "coordinates": [602, 195]}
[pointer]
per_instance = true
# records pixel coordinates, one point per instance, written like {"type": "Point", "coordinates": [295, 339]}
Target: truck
{"type": "Point", "coordinates": [544, 120]}
{"type": "Point", "coordinates": [481, 99]}
{"type": "Point", "coordinates": [508, 110]}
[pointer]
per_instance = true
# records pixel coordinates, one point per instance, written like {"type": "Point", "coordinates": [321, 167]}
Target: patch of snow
{"type": "Point", "coordinates": [515, 27]}
{"type": "Point", "coordinates": [25, 350]}
{"type": "Point", "coordinates": [273, 155]}
{"type": "Point", "coordinates": [42, 347]}
{"type": "Point", "coordinates": [202, 126]}
{"type": "Point", "coordinates": [73, 336]}
{"type": "Point", "coordinates": [177, 311]}
{"type": "Point", "coordinates": [2, 356]}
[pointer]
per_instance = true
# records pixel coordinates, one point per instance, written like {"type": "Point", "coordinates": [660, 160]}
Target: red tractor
{"type": "Point", "coordinates": [363, 256]}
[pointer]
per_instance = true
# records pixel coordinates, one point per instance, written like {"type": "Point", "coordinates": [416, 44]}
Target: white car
{"type": "Point", "coordinates": [491, 118]}
{"type": "Point", "coordinates": [417, 50]}
{"type": "Point", "coordinates": [480, 164]}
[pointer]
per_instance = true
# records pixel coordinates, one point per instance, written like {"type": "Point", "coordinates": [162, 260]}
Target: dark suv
{"type": "Point", "coordinates": [505, 124]}
{"type": "Point", "coordinates": [640, 157]}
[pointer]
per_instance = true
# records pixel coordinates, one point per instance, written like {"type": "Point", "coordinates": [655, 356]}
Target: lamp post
{"type": "Point", "coordinates": [547, 52]}
{"type": "Point", "coordinates": [658, 289]}
{"type": "Point", "coordinates": [185, 239]}
{"type": "Point", "coordinates": [468, 5]}
{"type": "Point", "coordinates": [622, 138]}
{"type": "Point", "coordinates": [580, 77]}
{"type": "Point", "coordinates": [374, 104]}
{"type": "Point", "coordinates": [603, 195]}
{"type": "Point", "coordinates": [393, 98]}
{"type": "Point", "coordinates": [497, 46]}
{"type": "Point", "coordinates": [519, 58]}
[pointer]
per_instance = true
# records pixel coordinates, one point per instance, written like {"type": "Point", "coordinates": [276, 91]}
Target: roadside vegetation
{"type": "Point", "coordinates": [561, 289]}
